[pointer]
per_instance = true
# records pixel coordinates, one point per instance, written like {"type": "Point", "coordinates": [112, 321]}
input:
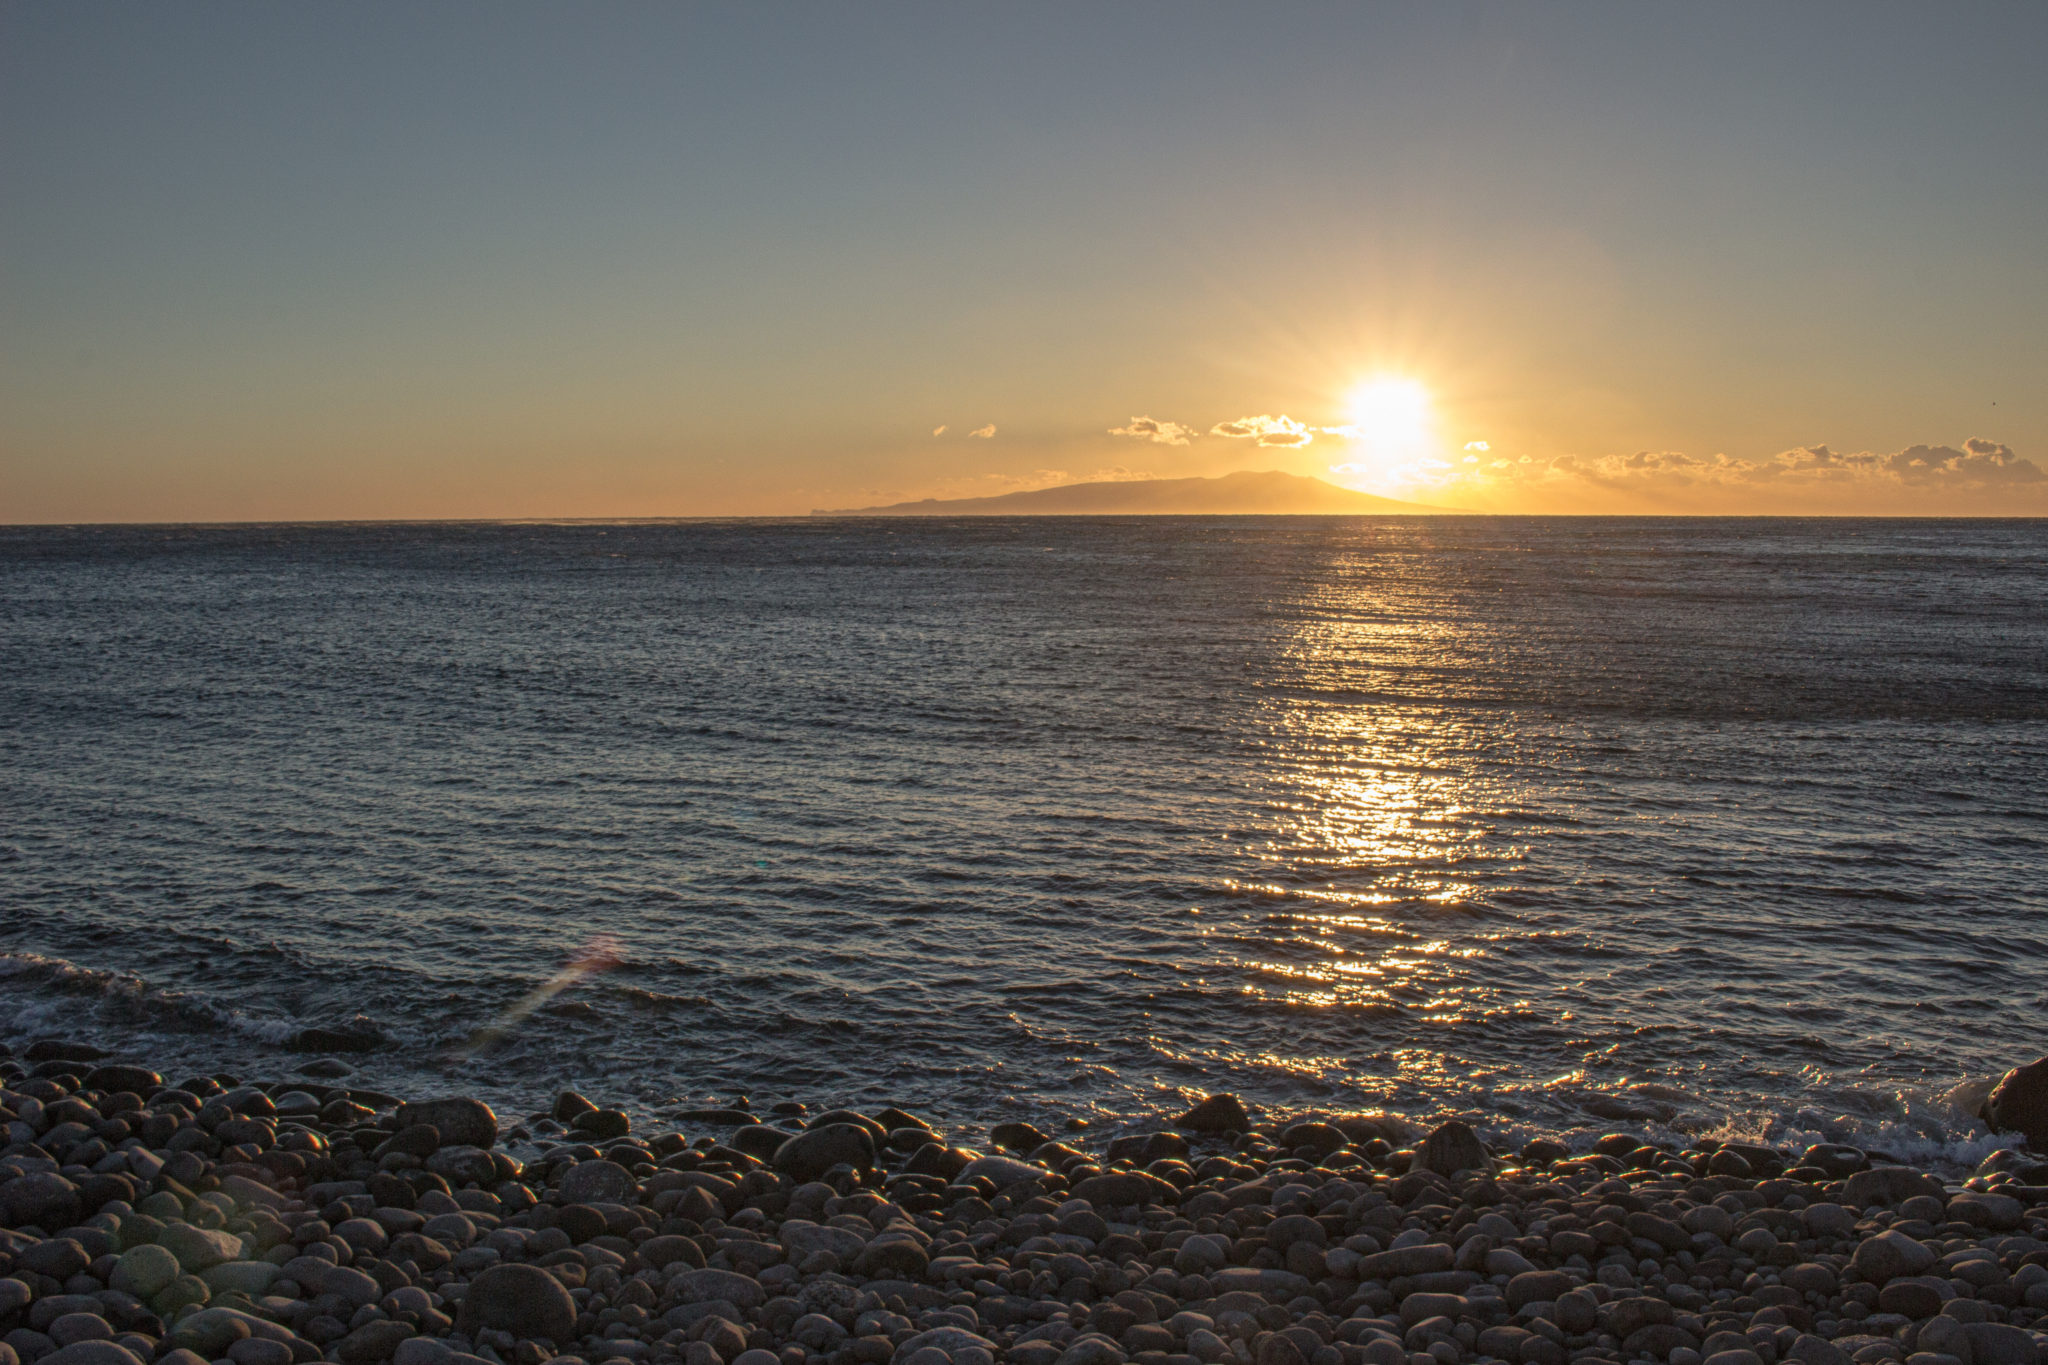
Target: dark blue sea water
{"type": "Point", "coordinates": [1726, 825]}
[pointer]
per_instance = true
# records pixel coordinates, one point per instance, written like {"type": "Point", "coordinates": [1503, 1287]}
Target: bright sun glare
{"type": "Point", "coordinates": [1390, 412]}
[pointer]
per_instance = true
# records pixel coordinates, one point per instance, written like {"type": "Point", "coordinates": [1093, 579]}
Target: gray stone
{"type": "Point", "coordinates": [702, 1286]}
{"type": "Point", "coordinates": [464, 1163]}
{"type": "Point", "coordinates": [1995, 1212]}
{"type": "Point", "coordinates": [44, 1199]}
{"type": "Point", "coordinates": [91, 1353]}
{"type": "Point", "coordinates": [252, 1278]}
{"type": "Point", "coordinates": [373, 1341]}
{"type": "Point", "coordinates": [198, 1248]}
{"type": "Point", "coordinates": [1537, 1286]}
{"type": "Point", "coordinates": [801, 1238]}
{"type": "Point", "coordinates": [1427, 1258]}
{"type": "Point", "coordinates": [892, 1257]}
{"type": "Point", "coordinates": [1812, 1350]}
{"type": "Point", "coordinates": [1888, 1187]}
{"type": "Point", "coordinates": [1889, 1255]}
{"type": "Point", "coordinates": [596, 1182]}
{"type": "Point", "coordinates": [260, 1351]}
{"type": "Point", "coordinates": [521, 1299]}
{"type": "Point", "coordinates": [947, 1339]}
{"type": "Point", "coordinates": [1999, 1343]}
{"type": "Point", "coordinates": [80, 1327]}
{"type": "Point", "coordinates": [461, 1121]}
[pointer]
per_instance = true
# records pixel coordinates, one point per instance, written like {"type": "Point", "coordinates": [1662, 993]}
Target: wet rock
{"type": "Point", "coordinates": [2019, 1104]}
{"type": "Point", "coordinates": [1001, 1171]}
{"type": "Point", "coordinates": [1120, 1189]}
{"type": "Point", "coordinates": [1216, 1114]}
{"type": "Point", "coordinates": [1017, 1137]}
{"type": "Point", "coordinates": [1453, 1147]}
{"type": "Point", "coordinates": [461, 1121]}
{"type": "Point", "coordinates": [815, 1151]}
{"type": "Point", "coordinates": [603, 1124]}
{"type": "Point", "coordinates": [521, 1299]}
{"type": "Point", "coordinates": [115, 1078]}
{"type": "Point", "coordinates": [348, 1038]}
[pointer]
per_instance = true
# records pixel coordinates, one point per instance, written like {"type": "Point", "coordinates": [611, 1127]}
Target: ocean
{"type": "Point", "coordinates": [1562, 825]}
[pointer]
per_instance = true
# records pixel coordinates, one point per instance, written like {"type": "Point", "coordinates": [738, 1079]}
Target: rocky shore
{"type": "Point", "coordinates": [280, 1222]}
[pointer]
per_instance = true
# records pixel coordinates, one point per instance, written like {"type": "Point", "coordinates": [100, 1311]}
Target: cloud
{"type": "Point", "coordinates": [1156, 431]}
{"type": "Point", "coordinates": [1267, 430]}
{"type": "Point", "coordinates": [939, 430]}
{"type": "Point", "coordinates": [1477, 445]}
{"type": "Point", "coordinates": [984, 433]}
{"type": "Point", "coordinates": [1980, 476]}
{"type": "Point", "coordinates": [1978, 465]}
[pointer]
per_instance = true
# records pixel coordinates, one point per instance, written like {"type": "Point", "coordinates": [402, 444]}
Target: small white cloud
{"type": "Point", "coordinates": [984, 432]}
{"type": "Point", "coordinates": [1154, 430]}
{"type": "Point", "coordinates": [1267, 430]}
{"type": "Point", "coordinates": [939, 430]}
{"type": "Point", "coordinates": [1477, 445]}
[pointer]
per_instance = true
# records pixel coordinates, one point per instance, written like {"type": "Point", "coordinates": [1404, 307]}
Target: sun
{"type": "Point", "coordinates": [1391, 413]}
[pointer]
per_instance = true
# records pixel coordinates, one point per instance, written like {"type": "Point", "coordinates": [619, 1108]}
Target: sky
{"type": "Point", "coordinates": [441, 259]}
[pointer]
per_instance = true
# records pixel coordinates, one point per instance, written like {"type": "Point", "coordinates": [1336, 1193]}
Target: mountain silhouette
{"type": "Point", "coordinates": [1247, 492]}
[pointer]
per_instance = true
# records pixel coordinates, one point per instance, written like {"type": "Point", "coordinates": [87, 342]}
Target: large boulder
{"type": "Point", "coordinates": [521, 1299]}
{"type": "Point", "coordinates": [2019, 1104]}
{"type": "Point", "coordinates": [1891, 1255]}
{"type": "Point", "coordinates": [461, 1121]}
{"type": "Point", "coordinates": [1451, 1148]}
{"type": "Point", "coordinates": [43, 1199]}
{"type": "Point", "coordinates": [815, 1151]}
{"type": "Point", "coordinates": [1216, 1114]}
{"type": "Point", "coordinates": [115, 1079]}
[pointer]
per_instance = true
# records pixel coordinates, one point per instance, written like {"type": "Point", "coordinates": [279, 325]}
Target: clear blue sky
{"type": "Point", "coordinates": [264, 260]}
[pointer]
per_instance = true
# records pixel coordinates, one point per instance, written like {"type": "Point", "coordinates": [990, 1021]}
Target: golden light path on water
{"type": "Point", "coordinates": [1380, 814]}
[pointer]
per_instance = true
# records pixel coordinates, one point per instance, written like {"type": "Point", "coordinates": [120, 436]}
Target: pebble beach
{"type": "Point", "coordinates": [287, 1221]}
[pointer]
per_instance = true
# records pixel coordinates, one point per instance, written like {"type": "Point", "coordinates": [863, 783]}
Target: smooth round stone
{"type": "Point", "coordinates": [596, 1182]}
{"type": "Point", "coordinates": [521, 1299]}
{"type": "Point", "coordinates": [79, 1327]}
{"type": "Point", "coordinates": [260, 1351]}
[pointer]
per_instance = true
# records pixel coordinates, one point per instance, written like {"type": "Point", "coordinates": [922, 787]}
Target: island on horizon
{"type": "Point", "coordinates": [1244, 493]}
